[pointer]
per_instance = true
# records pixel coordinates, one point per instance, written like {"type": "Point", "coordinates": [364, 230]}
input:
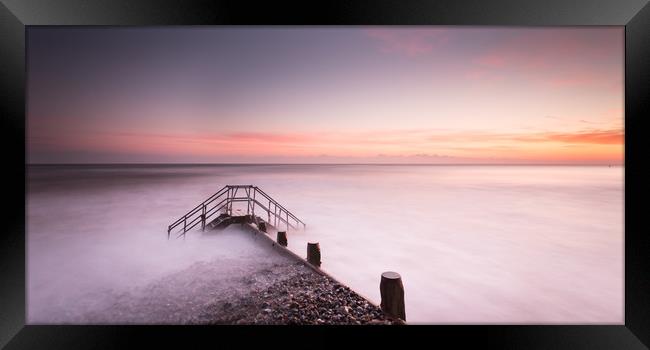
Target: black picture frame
{"type": "Point", "coordinates": [16, 15]}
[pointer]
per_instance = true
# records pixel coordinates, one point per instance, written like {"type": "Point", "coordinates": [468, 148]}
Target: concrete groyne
{"type": "Point", "coordinates": [309, 295]}
{"type": "Point", "coordinates": [305, 293]}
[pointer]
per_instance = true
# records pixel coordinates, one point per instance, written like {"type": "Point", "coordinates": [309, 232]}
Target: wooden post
{"type": "Point", "coordinates": [282, 238]}
{"type": "Point", "coordinates": [313, 254]}
{"type": "Point", "coordinates": [392, 295]}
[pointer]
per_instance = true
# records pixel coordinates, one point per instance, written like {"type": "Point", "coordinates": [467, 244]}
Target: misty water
{"type": "Point", "coordinates": [474, 244]}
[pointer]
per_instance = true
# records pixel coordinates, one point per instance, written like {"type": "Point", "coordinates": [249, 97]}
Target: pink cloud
{"type": "Point", "coordinates": [564, 57]}
{"type": "Point", "coordinates": [573, 79]}
{"type": "Point", "coordinates": [601, 137]}
{"type": "Point", "coordinates": [266, 137]}
{"type": "Point", "coordinates": [391, 143]}
{"type": "Point", "coordinates": [411, 42]}
{"type": "Point", "coordinates": [492, 60]}
{"type": "Point", "coordinates": [483, 74]}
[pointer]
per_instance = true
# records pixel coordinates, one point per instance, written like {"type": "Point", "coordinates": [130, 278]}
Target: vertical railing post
{"type": "Point", "coordinates": [203, 218]}
{"type": "Point", "coordinates": [234, 195]}
{"type": "Point", "coordinates": [231, 196]}
{"type": "Point", "coordinates": [253, 202]}
{"type": "Point", "coordinates": [225, 205]}
{"type": "Point", "coordinates": [248, 201]}
{"type": "Point", "coordinates": [227, 199]}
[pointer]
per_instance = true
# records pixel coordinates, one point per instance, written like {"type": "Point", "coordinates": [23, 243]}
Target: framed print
{"type": "Point", "coordinates": [455, 170]}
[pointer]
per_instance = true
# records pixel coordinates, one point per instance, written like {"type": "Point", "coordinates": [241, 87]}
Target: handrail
{"type": "Point", "coordinates": [278, 204]}
{"type": "Point", "coordinates": [205, 210]}
{"type": "Point", "coordinates": [200, 205]}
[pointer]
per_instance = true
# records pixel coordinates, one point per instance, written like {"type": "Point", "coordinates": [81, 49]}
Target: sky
{"type": "Point", "coordinates": [423, 94]}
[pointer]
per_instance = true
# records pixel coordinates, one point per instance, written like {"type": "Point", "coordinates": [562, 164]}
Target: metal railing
{"type": "Point", "coordinates": [222, 202]}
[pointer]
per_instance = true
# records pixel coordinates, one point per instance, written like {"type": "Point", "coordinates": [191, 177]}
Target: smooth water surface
{"type": "Point", "coordinates": [474, 244]}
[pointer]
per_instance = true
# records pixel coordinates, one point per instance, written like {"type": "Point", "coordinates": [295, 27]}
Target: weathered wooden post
{"type": "Point", "coordinates": [392, 295]}
{"type": "Point", "coordinates": [313, 254]}
{"type": "Point", "coordinates": [282, 238]}
{"type": "Point", "coordinates": [262, 226]}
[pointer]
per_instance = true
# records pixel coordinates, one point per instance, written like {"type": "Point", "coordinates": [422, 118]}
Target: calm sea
{"type": "Point", "coordinates": [474, 244]}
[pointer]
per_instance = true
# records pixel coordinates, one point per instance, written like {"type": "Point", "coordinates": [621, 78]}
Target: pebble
{"type": "Point", "coordinates": [304, 298]}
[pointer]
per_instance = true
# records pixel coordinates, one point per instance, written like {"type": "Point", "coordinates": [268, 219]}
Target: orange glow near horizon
{"type": "Point", "coordinates": [342, 95]}
{"type": "Point", "coordinates": [408, 146]}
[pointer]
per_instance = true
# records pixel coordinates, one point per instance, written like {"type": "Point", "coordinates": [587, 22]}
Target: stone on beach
{"type": "Point", "coordinates": [262, 288]}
